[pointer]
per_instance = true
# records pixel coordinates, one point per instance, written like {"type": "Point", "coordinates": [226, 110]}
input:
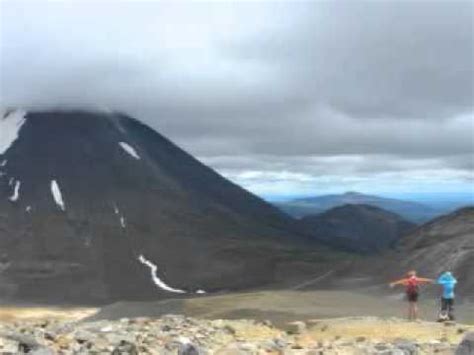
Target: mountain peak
{"type": "Point", "coordinates": [104, 209]}
{"type": "Point", "coordinates": [357, 227]}
{"type": "Point", "coordinates": [353, 193]}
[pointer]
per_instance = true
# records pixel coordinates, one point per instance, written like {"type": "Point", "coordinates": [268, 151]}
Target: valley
{"type": "Point", "coordinates": [156, 240]}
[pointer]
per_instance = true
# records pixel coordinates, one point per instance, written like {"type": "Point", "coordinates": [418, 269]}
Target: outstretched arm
{"type": "Point", "coordinates": [399, 282]}
{"type": "Point", "coordinates": [425, 280]}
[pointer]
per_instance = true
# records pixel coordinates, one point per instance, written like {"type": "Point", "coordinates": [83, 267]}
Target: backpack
{"type": "Point", "coordinates": [412, 286]}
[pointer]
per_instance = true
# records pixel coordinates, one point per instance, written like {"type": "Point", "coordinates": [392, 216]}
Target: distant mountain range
{"type": "Point", "coordinates": [412, 211]}
{"type": "Point", "coordinates": [360, 228]}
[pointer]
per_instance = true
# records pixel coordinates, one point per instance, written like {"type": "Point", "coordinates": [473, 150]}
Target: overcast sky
{"type": "Point", "coordinates": [284, 98]}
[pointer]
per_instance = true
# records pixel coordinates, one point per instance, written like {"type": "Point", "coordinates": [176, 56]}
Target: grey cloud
{"type": "Point", "coordinates": [378, 59]}
{"type": "Point", "coordinates": [327, 133]}
{"type": "Point", "coordinates": [380, 174]}
{"type": "Point", "coordinates": [343, 165]}
{"type": "Point", "coordinates": [269, 86]}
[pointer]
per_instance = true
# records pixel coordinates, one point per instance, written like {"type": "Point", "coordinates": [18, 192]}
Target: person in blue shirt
{"type": "Point", "coordinates": [448, 282]}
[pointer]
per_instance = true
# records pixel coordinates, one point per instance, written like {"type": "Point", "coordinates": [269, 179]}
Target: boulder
{"type": "Point", "coordinates": [189, 349]}
{"type": "Point", "coordinates": [407, 347]}
{"type": "Point", "coordinates": [27, 344]}
{"type": "Point", "coordinates": [466, 347]}
{"type": "Point", "coordinates": [295, 327]}
{"type": "Point", "coordinates": [125, 347]}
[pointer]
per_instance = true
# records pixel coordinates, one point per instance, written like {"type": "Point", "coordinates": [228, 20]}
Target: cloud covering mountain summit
{"type": "Point", "coordinates": [391, 80]}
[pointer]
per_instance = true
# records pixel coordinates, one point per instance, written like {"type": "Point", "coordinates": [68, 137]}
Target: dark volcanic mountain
{"type": "Point", "coordinates": [446, 243]}
{"type": "Point", "coordinates": [99, 207]}
{"type": "Point", "coordinates": [360, 228]}
{"type": "Point", "coordinates": [412, 211]}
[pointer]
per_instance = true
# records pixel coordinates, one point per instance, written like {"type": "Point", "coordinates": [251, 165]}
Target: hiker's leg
{"type": "Point", "coordinates": [444, 304]}
{"type": "Point", "coordinates": [443, 310]}
{"type": "Point", "coordinates": [415, 310]}
{"type": "Point", "coordinates": [411, 310]}
{"type": "Point", "coordinates": [451, 309]}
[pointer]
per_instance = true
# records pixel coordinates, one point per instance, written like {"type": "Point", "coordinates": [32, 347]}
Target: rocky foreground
{"type": "Point", "coordinates": [173, 334]}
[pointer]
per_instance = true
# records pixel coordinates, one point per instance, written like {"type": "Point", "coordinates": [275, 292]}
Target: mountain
{"type": "Point", "coordinates": [360, 228]}
{"type": "Point", "coordinates": [446, 243]}
{"type": "Point", "coordinates": [96, 207]}
{"type": "Point", "coordinates": [412, 211]}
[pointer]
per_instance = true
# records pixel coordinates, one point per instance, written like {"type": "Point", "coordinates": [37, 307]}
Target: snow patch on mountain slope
{"type": "Point", "coordinates": [16, 192]}
{"type": "Point", "coordinates": [130, 150]}
{"type": "Point", "coordinates": [10, 126]}
{"type": "Point", "coordinates": [122, 222]}
{"type": "Point", "coordinates": [57, 195]}
{"type": "Point", "coordinates": [157, 281]}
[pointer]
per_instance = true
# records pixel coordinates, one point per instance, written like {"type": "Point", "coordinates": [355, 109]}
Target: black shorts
{"type": "Point", "coordinates": [412, 297]}
{"type": "Point", "coordinates": [447, 304]}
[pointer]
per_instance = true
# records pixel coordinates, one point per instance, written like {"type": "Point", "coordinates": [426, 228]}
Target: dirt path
{"type": "Point", "coordinates": [278, 306]}
{"type": "Point", "coordinates": [12, 314]}
{"type": "Point", "coordinates": [282, 306]}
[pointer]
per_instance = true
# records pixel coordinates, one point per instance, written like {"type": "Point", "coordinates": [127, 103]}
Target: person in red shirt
{"type": "Point", "coordinates": [412, 289]}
